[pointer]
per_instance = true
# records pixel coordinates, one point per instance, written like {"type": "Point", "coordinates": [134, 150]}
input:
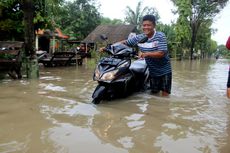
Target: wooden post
{"type": "Point", "coordinates": [30, 58]}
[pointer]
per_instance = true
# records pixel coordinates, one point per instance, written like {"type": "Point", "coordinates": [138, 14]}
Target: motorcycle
{"type": "Point", "coordinates": [117, 74]}
{"type": "Point", "coordinates": [79, 55]}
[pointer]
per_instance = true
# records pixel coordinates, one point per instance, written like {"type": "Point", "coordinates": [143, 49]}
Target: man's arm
{"type": "Point", "coordinates": [156, 54]}
{"type": "Point", "coordinates": [162, 49]}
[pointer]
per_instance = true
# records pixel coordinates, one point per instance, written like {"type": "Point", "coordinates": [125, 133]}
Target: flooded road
{"type": "Point", "coordinates": [54, 114]}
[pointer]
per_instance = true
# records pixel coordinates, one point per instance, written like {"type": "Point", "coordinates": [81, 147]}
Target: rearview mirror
{"type": "Point", "coordinates": [103, 37]}
{"type": "Point", "coordinates": [142, 38]}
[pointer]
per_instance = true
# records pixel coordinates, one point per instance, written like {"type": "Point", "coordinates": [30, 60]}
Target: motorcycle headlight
{"type": "Point", "coordinates": [109, 75]}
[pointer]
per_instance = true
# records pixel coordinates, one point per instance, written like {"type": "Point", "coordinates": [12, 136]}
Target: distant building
{"type": "Point", "coordinates": [49, 41]}
{"type": "Point", "coordinates": [114, 33]}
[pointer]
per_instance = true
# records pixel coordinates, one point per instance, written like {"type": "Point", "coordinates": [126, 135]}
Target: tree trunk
{"type": "Point", "coordinates": [30, 61]}
{"type": "Point", "coordinates": [192, 46]}
{"type": "Point", "coordinates": [29, 27]}
{"type": "Point", "coordinates": [195, 26]}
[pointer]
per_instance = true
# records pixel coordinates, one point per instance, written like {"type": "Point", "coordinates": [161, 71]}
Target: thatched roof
{"type": "Point", "coordinates": [114, 33]}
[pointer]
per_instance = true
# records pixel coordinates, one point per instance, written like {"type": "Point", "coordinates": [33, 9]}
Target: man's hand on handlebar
{"type": "Point", "coordinates": [102, 49]}
{"type": "Point", "coordinates": [142, 55]}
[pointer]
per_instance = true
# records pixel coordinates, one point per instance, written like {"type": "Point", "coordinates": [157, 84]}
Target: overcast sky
{"type": "Point", "coordinates": [116, 9]}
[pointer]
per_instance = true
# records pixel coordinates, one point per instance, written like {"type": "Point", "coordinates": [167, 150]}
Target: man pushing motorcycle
{"type": "Point", "coordinates": [156, 54]}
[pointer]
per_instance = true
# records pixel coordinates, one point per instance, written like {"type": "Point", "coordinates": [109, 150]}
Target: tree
{"type": "Point", "coordinates": [182, 28]}
{"type": "Point", "coordinates": [44, 12]}
{"type": "Point", "coordinates": [222, 50]}
{"type": "Point", "coordinates": [34, 14]}
{"type": "Point", "coordinates": [79, 17]}
{"type": "Point", "coordinates": [11, 17]}
{"type": "Point", "coordinates": [134, 17]}
{"type": "Point", "coordinates": [204, 42]}
{"type": "Point", "coordinates": [108, 21]}
{"type": "Point", "coordinates": [28, 11]}
{"type": "Point", "coordinates": [30, 61]}
{"type": "Point", "coordinates": [194, 13]}
{"type": "Point", "coordinates": [11, 25]}
{"type": "Point", "coordinates": [171, 37]}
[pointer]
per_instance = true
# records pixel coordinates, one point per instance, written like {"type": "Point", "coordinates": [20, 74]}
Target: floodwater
{"type": "Point", "coordinates": [54, 114]}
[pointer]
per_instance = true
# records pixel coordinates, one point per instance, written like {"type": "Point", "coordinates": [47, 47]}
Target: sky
{"type": "Point", "coordinates": [115, 9]}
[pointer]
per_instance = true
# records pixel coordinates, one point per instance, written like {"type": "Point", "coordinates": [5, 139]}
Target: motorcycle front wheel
{"type": "Point", "coordinates": [98, 94]}
{"type": "Point", "coordinates": [96, 100]}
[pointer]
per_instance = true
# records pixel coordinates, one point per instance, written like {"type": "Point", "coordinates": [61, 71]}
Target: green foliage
{"type": "Point", "coordinates": [7, 56]}
{"type": "Point", "coordinates": [194, 22]}
{"type": "Point", "coordinates": [203, 41]}
{"type": "Point", "coordinates": [78, 18]}
{"type": "Point", "coordinates": [213, 46]}
{"type": "Point", "coordinates": [45, 10]}
{"type": "Point", "coordinates": [108, 21]}
{"type": "Point", "coordinates": [11, 17]}
{"type": "Point", "coordinates": [222, 50]}
{"type": "Point", "coordinates": [182, 28]}
{"type": "Point", "coordinates": [171, 37]}
{"type": "Point", "coordinates": [11, 25]}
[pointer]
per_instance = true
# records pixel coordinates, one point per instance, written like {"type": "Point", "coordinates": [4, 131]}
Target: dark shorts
{"type": "Point", "coordinates": [161, 83]}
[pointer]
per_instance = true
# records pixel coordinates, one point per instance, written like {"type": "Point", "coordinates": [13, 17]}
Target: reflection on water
{"type": "Point", "coordinates": [54, 114]}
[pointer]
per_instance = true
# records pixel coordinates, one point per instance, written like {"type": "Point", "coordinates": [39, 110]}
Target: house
{"type": "Point", "coordinates": [49, 41]}
{"type": "Point", "coordinates": [114, 33]}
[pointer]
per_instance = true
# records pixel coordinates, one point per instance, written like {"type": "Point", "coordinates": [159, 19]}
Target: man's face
{"type": "Point", "coordinates": [148, 28]}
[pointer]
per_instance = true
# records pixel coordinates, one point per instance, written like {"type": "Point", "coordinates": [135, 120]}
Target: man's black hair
{"type": "Point", "coordinates": [149, 18]}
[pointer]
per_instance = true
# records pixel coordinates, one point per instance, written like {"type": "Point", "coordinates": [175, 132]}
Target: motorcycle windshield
{"type": "Point", "coordinates": [110, 61]}
{"type": "Point", "coordinates": [121, 50]}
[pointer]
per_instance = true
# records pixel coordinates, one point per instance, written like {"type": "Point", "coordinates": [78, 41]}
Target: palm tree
{"type": "Point", "coordinates": [135, 17]}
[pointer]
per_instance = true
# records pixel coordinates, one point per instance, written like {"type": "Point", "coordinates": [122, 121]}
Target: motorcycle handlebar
{"type": "Point", "coordinates": [109, 49]}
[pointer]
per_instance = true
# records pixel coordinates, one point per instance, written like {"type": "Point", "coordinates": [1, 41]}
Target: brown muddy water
{"type": "Point", "coordinates": [54, 114]}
